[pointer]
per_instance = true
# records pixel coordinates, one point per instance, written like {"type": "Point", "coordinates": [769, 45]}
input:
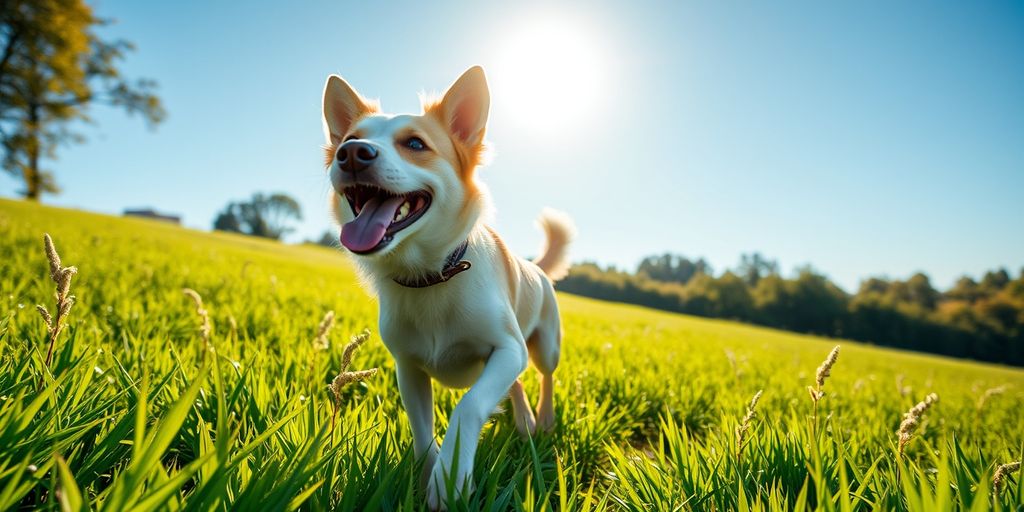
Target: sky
{"type": "Point", "coordinates": [865, 138]}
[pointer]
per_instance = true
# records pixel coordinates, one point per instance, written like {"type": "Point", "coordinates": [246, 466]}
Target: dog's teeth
{"type": "Point", "coordinates": [401, 213]}
{"type": "Point", "coordinates": [405, 208]}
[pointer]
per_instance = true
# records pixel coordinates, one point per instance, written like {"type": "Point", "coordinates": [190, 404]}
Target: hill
{"type": "Point", "coordinates": [136, 409]}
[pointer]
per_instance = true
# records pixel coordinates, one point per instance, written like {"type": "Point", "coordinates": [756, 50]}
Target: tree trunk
{"type": "Point", "coordinates": [33, 178]}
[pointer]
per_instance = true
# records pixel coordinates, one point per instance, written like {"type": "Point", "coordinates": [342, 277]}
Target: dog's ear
{"type": "Point", "coordinates": [342, 107]}
{"type": "Point", "coordinates": [465, 105]}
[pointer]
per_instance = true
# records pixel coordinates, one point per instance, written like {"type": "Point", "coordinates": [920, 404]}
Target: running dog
{"type": "Point", "coordinates": [455, 305]}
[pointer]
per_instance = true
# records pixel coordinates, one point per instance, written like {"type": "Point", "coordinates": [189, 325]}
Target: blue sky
{"type": "Point", "coordinates": [870, 138]}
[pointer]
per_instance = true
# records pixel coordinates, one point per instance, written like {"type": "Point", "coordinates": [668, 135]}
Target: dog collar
{"type": "Point", "coordinates": [452, 267]}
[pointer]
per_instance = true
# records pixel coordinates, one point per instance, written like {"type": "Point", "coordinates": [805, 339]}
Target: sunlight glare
{"type": "Point", "coordinates": [549, 74]}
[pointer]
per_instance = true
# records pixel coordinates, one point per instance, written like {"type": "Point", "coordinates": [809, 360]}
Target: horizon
{"type": "Point", "coordinates": [779, 130]}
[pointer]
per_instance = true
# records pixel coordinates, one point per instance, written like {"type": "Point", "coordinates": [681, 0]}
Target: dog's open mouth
{"type": "Point", "coordinates": [379, 215]}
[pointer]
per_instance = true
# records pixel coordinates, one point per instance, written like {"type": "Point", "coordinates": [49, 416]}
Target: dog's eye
{"type": "Point", "coordinates": [415, 144]}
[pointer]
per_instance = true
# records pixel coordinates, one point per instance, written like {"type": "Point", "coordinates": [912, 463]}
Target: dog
{"type": "Point", "coordinates": [455, 305]}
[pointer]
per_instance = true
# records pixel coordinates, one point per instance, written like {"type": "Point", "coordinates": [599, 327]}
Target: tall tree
{"type": "Point", "coordinates": [754, 266]}
{"type": "Point", "coordinates": [53, 67]}
{"type": "Point", "coordinates": [263, 215]}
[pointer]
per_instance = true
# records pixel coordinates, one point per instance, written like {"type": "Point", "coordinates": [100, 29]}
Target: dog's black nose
{"type": "Point", "coordinates": [354, 156]}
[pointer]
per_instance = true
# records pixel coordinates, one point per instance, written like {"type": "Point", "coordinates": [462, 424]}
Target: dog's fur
{"type": "Point", "coordinates": [479, 329]}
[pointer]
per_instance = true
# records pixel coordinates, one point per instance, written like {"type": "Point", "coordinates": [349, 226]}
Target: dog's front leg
{"type": "Point", "coordinates": [418, 400]}
{"type": "Point", "coordinates": [503, 366]}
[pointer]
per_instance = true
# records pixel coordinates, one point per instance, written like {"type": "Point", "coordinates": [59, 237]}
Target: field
{"type": "Point", "coordinates": [137, 411]}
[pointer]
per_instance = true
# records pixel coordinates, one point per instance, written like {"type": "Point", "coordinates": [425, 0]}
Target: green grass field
{"type": "Point", "coordinates": [134, 413]}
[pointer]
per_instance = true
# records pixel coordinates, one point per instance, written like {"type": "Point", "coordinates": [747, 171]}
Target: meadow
{"type": "Point", "coordinates": [146, 405]}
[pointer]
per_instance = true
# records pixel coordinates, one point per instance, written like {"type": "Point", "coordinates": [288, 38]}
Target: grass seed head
{"type": "Point", "coordinates": [52, 257]}
{"type": "Point", "coordinates": [205, 328]}
{"type": "Point", "coordinates": [989, 393]}
{"type": "Point", "coordinates": [357, 340]}
{"type": "Point", "coordinates": [820, 375]}
{"type": "Point", "coordinates": [45, 314]}
{"type": "Point", "coordinates": [744, 426]}
{"type": "Point", "coordinates": [825, 369]}
{"type": "Point", "coordinates": [65, 306]}
{"type": "Point", "coordinates": [900, 388]}
{"type": "Point", "coordinates": [1001, 473]}
{"type": "Point", "coordinates": [64, 281]}
{"type": "Point", "coordinates": [322, 342]}
{"type": "Point", "coordinates": [61, 277]}
{"type": "Point", "coordinates": [912, 418]}
{"type": "Point", "coordinates": [346, 377]}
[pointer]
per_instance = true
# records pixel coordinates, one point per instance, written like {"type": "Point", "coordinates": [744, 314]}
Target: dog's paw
{"type": "Point", "coordinates": [525, 423]}
{"type": "Point", "coordinates": [429, 460]}
{"type": "Point", "coordinates": [437, 494]}
{"type": "Point", "coordinates": [434, 500]}
{"type": "Point", "coordinates": [546, 421]}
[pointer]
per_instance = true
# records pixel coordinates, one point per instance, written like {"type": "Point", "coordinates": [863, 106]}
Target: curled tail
{"type": "Point", "coordinates": [559, 230]}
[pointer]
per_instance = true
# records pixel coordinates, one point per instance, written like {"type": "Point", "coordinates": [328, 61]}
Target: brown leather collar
{"type": "Point", "coordinates": [452, 267]}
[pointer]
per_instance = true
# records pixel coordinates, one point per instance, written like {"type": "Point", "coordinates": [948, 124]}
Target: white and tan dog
{"type": "Point", "coordinates": [455, 304]}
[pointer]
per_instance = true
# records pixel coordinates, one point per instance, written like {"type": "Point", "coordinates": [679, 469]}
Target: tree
{"type": "Point", "coordinates": [919, 291]}
{"type": "Point", "coordinates": [993, 281]}
{"type": "Point", "coordinates": [723, 297]}
{"type": "Point", "coordinates": [672, 268]}
{"type": "Point", "coordinates": [53, 67]}
{"type": "Point", "coordinates": [228, 220]}
{"type": "Point", "coordinates": [264, 216]}
{"type": "Point", "coordinates": [965, 289]}
{"type": "Point", "coordinates": [819, 306]}
{"type": "Point", "coordinates": [754, 266]}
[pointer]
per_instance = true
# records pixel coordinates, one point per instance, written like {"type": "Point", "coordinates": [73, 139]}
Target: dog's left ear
{"type": "Point", "coordinates": [465, 105]}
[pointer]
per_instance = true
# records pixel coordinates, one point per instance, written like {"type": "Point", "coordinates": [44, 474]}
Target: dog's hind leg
{"type": "Point", "coordinates": [546, 406]}
{"type": "Point", "coordinates": [525, 423]}
{"type": "Point", "coordinates": [545, 348]}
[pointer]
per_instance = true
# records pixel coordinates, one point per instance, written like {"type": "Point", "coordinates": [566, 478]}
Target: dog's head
{"type": "Point", "coordinates": [405, 184]}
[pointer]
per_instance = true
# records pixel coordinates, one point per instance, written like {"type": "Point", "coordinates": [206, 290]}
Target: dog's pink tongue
{"type": "Point", "coordinates": [369, 227]}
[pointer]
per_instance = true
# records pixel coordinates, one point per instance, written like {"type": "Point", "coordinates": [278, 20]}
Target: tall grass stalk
{"type": "Point", "coordinates": [205, 327]}
{"type": "Point", "coordinates": [744, 426]}
{"type": "Point", "coordinates": [321, 343]}
{"type": "Point", "coordinates": [61, 276]}
{"type": "Point", "coordinates": [1000, 475]}
{"type": "Point", "coordinates": [345, 377]}
{"type": "Point", "coordinates": [911, 420]}
{"type": "Point", "coordinates": [818, 392]}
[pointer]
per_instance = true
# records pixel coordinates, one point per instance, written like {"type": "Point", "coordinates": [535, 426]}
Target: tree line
{"type": "Point", "coordinates": [982, 320]}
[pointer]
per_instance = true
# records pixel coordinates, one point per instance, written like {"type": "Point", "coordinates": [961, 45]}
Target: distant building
{"type": "Point", "coordinates": [150, 213]}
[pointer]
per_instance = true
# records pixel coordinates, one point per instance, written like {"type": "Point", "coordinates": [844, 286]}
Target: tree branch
{"type": "Point", "coordinates": [8, 50]}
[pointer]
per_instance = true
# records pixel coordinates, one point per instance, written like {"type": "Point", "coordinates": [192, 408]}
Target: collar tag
{"type": "Point", "coordinates": [454, 265]}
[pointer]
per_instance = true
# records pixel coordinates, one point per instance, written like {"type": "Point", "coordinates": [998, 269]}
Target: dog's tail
{"type": "Point", "coordinates": [559, 230]}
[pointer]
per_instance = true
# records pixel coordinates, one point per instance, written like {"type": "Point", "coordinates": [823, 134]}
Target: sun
{"type": "Point", "coordinates": [548, 73]}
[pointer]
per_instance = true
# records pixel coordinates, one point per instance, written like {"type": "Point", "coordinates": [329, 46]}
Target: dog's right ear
{"type": "Point", "coordinates": [342, 107]}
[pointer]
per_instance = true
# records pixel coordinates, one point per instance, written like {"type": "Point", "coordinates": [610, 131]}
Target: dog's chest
{"type": "Point", "coordinates": [456, 365]}
{"type": "Point", "coordinates": [452, 358]}
{"type": "Point", "coordinates": [449, 339]}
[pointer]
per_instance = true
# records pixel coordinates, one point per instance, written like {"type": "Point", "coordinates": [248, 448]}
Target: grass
{"type": "Point", "coordinates": [139, 411]}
